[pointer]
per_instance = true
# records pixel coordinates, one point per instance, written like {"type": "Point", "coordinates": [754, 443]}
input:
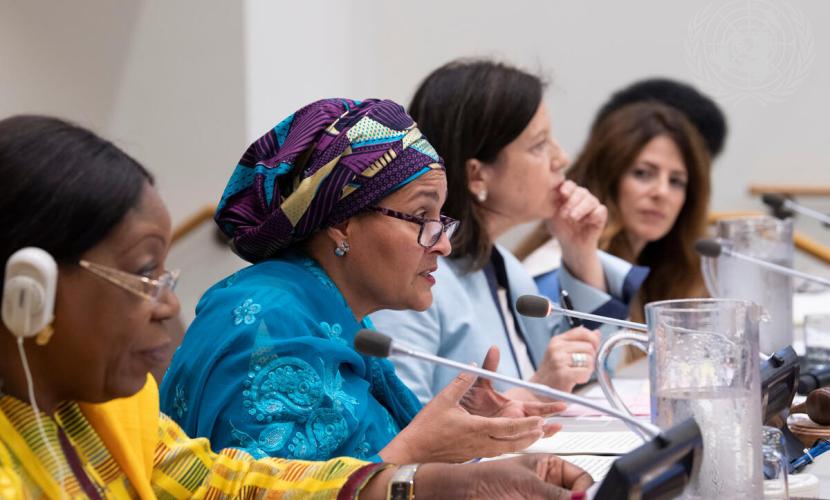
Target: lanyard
{"type": "Point", "coordinates": [77, 467]}
{"type": "Point", "coordinates": [496, 274]}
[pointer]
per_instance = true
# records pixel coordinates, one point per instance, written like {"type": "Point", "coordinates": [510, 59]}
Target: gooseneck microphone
{"type": "Point", "coordinates": [659, 469]}
{"type": "Point", "coordinates": [536, 306]}
{"type": "Point", "coordinates": [778, 203]}
{"type": "Point", "coordinates": [376, 344]}
{"type": "Point", "coordinates": [713, 248]}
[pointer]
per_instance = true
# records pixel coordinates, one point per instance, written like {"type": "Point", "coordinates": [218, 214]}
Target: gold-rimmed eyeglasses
{"type": "Point", "coordinates": [146, 288]}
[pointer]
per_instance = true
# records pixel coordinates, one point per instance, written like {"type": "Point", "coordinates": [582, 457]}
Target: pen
{"type": "Point", "coordinates": [565, 300]}
{"type": "Point", "coordinates": [810, 455]}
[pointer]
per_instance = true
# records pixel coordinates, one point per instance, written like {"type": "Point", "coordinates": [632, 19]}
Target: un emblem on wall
{"type": "Point", "coordinates": [750, 49]}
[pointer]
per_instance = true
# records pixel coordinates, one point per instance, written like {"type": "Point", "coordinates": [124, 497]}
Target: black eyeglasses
{"type": "Point", "coordinates": [431, 229]}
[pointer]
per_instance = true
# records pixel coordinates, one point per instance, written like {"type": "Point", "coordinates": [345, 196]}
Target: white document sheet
{"type": "Point", "coordinates": [587, 443]}
{"type": "Point", "coordinates": [596, 466]}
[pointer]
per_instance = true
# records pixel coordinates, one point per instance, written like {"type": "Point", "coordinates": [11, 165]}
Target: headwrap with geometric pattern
{"type": "Point", "coordinates": [325, 163]}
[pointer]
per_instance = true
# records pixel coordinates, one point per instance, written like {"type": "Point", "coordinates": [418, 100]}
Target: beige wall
{"type": "Point", "coordinates": [185, 85]}
{"type": "Point", "coordinates": [163, 79]}
{"type": "Point", "coordinates": [773, 53]}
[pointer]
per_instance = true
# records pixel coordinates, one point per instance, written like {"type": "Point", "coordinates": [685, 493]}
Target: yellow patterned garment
{"type": "Point", "coordinates": [127, 449]}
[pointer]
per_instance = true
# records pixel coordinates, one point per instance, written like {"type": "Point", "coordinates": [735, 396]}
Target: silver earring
{"type": "Point", "coordinates": [342, 249]}
{"type": "Point", "coordinates": [482, 195]}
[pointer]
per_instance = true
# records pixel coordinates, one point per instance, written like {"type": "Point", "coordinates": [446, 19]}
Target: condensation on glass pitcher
{"type": "Point", "coordinates": [761, 314]}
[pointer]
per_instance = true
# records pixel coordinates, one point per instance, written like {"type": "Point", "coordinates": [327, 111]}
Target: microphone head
{"type": "Point", "coordinates": [372, 343]}
{"type": "Point", "coordinates": [533, 306]}
{"type": "Point", "coordinates": [708, 247]}
{"type": "Point", "coordinates": [773, 200]}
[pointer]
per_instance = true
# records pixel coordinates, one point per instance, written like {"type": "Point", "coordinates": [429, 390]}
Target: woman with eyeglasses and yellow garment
{"type": "Point", "coordinates": [79, 413]}
{"type": "Point", "coordinates": [338, 207]}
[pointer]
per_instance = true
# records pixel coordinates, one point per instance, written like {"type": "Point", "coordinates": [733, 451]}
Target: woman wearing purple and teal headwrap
{"type": "Point", "coordinates": [338, 207]}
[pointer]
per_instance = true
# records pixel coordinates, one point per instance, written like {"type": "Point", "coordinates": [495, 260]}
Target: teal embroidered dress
{"type": "Point", "coordinates": [268, 366]}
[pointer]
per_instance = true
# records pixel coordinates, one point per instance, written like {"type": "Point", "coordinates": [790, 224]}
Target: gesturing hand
{"type": "Point", "coordinates": [444, 431]}
{"type": "Point", "coordinates": [482, 399]}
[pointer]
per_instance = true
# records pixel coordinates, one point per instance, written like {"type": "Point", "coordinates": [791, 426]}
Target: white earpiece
{"type": "Point", "coordinates": [29, 291]}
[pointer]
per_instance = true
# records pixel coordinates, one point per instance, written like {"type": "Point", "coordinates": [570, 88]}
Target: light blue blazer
{"type": "Point", "coordinates": [464, 320]}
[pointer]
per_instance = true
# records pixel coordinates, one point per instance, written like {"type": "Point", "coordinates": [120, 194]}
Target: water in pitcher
{"type": "Point", "coordinates": [743, 280]}
{"type": "Point", "coordinates": [720, 413]}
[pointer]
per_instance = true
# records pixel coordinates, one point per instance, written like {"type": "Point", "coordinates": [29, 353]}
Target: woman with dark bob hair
{"type": "Point", "coordinates": [650, 166]}
{"type": "Point", "coordinates": [504, 168]}
{"type": "Point", "coordinates": [84, 229]}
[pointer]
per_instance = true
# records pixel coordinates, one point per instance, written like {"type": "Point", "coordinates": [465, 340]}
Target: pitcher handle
{"type": "Point", "coordinates": [710, 277]}
{"type": "Point", "coordinates": [639, 340]}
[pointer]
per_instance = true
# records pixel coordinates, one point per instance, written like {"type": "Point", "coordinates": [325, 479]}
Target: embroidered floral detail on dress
{"type": "Point", "coordinates": [301, 447]}
{"type": "Point", "coordinates": [333, 332]}
{"type": "Point", "coordinates": [362, 450]}
{"type": "Point", "coordinates": [376, 382]}
{"type": "Point", "coordinates": [317, 271]}
{"type": "Point", "coordinates": [391, 426]}
{"type": "Point", "coordinates": [246, 313]}
{"type": "Point", "coordinates": [341, 400]}
{"type": "Point", "coordinates": [329, 429]}
{"type": "Point", "coordinates": [302, 414]}
{"type": "Point", "coordinates": [385, 386]}
{"type": "Point", "coordinates": [180, 402]}
{"type": "Point", "coordinates": [230, 280]}
{"type": "Point", "coordinates": [274, 437]}
{"type": "Point", "coordinates": [285, 385]}
{"type": "Point", "coordinates": [271, 439]}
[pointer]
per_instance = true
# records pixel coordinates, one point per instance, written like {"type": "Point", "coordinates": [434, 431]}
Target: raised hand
{"type": "Point", "coordinates": [444, 431]}
{"type": "Point", "coordinates": [577, 224]}
{"type": "Point", "coordinates": [482, 399]}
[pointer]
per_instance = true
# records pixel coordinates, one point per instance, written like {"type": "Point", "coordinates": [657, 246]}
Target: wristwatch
{"type": "Point", "coordinates": [402, 485]}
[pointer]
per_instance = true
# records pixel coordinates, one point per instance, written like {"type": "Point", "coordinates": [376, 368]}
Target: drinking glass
{"type": "Point", "coordinates": [817, 340]}
{"type": "Point", "coordinates": [765, 238]}
{"type": "Point", "coordinates": [775, 463]}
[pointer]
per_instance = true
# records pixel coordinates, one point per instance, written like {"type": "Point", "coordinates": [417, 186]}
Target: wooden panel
{"type": "Point", "coordinates": [802, 242]}
{"type": "Point", "coordinates": [795, 190]}
{"type": "Point", "coordinates": [191, 223]}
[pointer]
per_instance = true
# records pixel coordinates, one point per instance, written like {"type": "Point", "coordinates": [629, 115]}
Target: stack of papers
{"type": "Point", "coordinates": [809, 303]}
{"type": "Point", "coordinates": [634, 393]}
{"type": "Point", "coordinates": [594, 452]}
{"type": "Point", "coordinates": [596, 466]}
{"type": "Point", "coordinates": [587, 443]}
